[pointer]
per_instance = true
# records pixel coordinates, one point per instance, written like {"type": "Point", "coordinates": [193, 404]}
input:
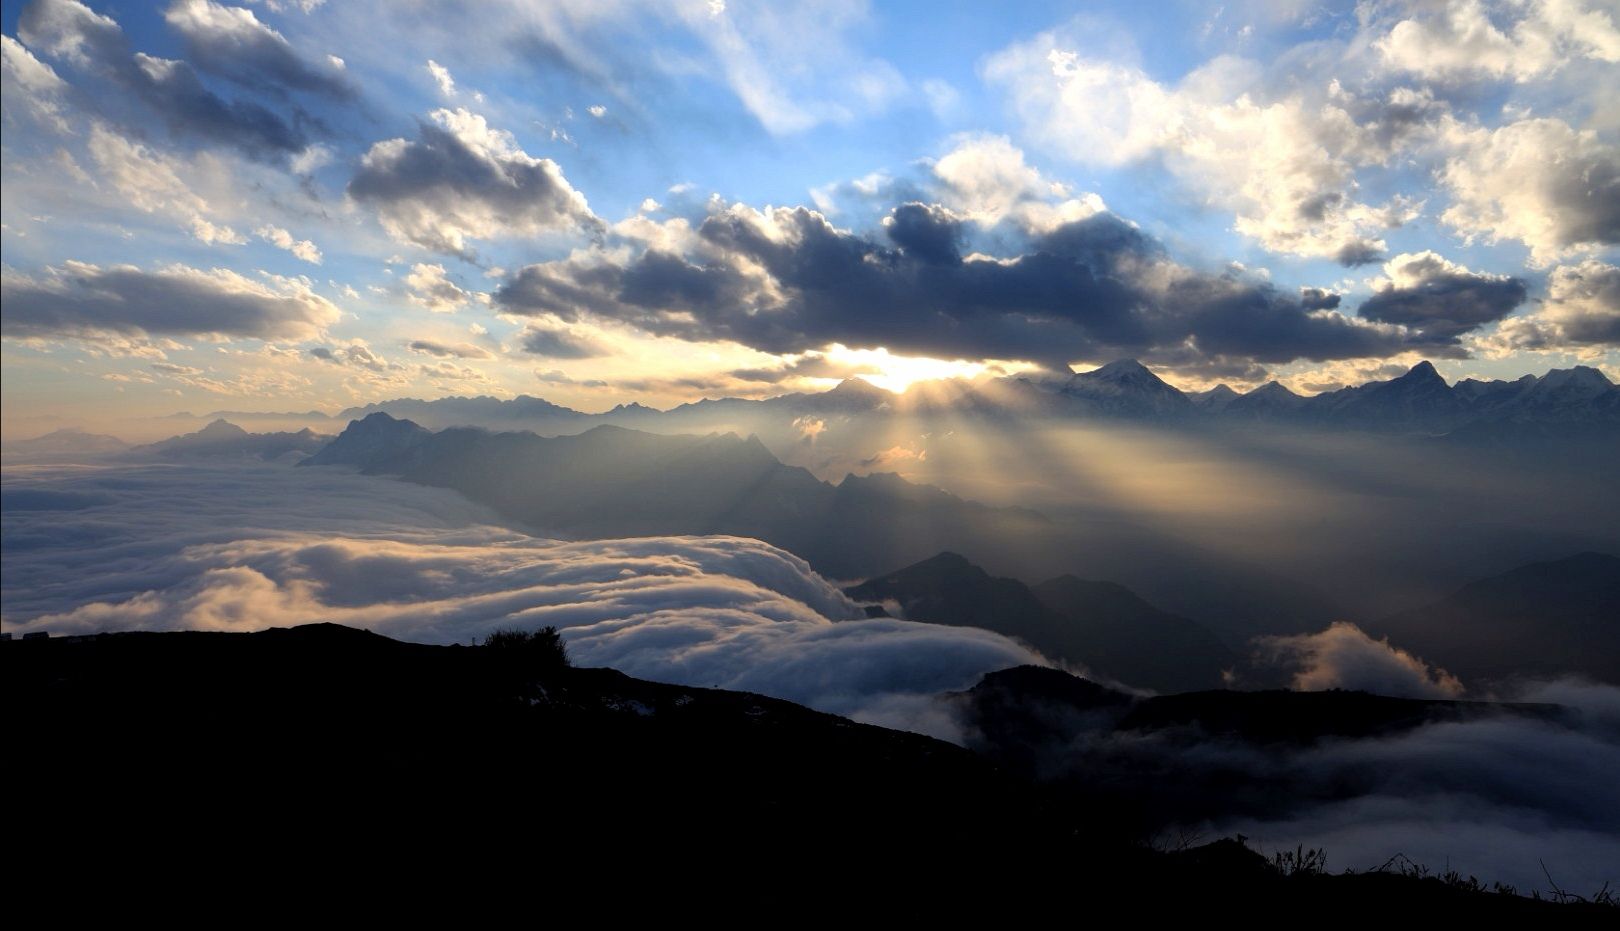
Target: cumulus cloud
{"type": "Point", "coordinates": [248, 548]}
{"type": "Point", "coordinates": [1344, 657]}
{"type": "Point", "coordinates": [1442, 299]}
{"type": "Point", "coordinates": [1582, 310]}
{"type": "Point", "coordinates": [281, 239]}
{"type": "Point", "coordinates": [1461, 39]}
{"type": "Point", "coordinates": [462, 179]}
{"type": "Point", "coordinates": [558, 342]}
{"type": "Point", "coordinates": [786, 280]}
{"type": "Point", "coordinates": [71, 31]}
{"type": "Point", "coordinates": [1284, 163]}
{"type": "Point", "coordinates": [83, 300]}
{"type": "Point", "coordinates": [1552, 187]}
{"type": "Point", "coordinates": [231, 42]}
{"type": "Point", "coordinates": [429, 286]}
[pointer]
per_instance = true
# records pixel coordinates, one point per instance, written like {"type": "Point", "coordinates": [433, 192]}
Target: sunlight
{"type": "Point", "coordinates": [897, 373]}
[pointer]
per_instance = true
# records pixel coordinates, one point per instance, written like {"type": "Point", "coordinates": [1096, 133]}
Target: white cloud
{"type": "Point", "coordinates": [31, 83]}
{"type": "Point", "coordinates": [210, 233]}
{"type": "Point", "coordinates": [1582, 310]}
{"type": "Point", "coordinates": [1461, 39]}
{"type": "Point", "coordinates": [281, 239]}
{"type": "Point", "coordinates": [1539, 181]}
{"type": "Point", "coordinates": [1343, 657]}
{"type": "Point", "coordinates": [430, 286]}
{"type": "Point", "coordinates": [985, 178]}
{"type": "Point", "coordinates": [247, 548]}
{"type": "Point", "coordinates": [441, 77]}
{"type": "Point", "coordinates": [462, 179]}
{"type": "Point", "coordinates": [1284, 163]}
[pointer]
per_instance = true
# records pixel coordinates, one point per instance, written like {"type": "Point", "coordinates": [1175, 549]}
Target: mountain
{"type": "Point", "coordinates": [1214, 400]}
{"type": "Point", "coordinates": [1418, 400]}
{"type": "Point", "coordinates": [238, 752]}
{"type": "Point", "coordinates": [1125, 388]}
{"type": "Point", "coordinates": [1099, 625]}
{"type": "Point", "coordinates": [222, 439]}
{"type": "Point", "coordinates": [612, 482]}
{"type": "Point", "coordinates": [460, 411]}
{"type": "Point", "coordinates": [70, 445]}
{"type": "Point", "coordinates": [1270, 401]}
{"type": "Point", "coordinates": [1545, 619]}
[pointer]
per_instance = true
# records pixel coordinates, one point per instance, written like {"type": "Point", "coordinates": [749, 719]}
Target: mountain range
{"type": "Point", "coordinates": [1100, 626]}
{"type": "Point", "coordinates": [222, 439]}
{"type": "Point", "coordinates": [1419, 401]}
{"type": "Point", "coordinates": [614, 482]}
{"type": "Point", "coordinates": [1554, 618]}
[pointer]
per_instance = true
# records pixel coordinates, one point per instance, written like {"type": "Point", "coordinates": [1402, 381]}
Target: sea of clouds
{"type": "Point", "coordinates": [249, 546]}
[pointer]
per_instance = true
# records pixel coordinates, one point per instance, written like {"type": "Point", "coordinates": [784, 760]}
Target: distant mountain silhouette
{"type": "Point", "coordinates": [222, 439]}
{"type": "Point", "coordinates": [612, 482]}
{"type": "Point", "coordinates": [1100, 625]}
{"type": "Point", "coordinates": [1549, 618]}
{"type": "Point", "coordinates": [1419, 401]}
{"type": "Point", "coordinates": [63, 446]}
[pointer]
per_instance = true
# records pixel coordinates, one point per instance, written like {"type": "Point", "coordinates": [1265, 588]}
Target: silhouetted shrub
{"type": "Point", "coordinates": [531, 652]}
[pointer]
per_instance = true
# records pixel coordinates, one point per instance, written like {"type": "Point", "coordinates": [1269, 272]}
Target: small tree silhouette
{"type": "Point", "coordinates": [529, 652]}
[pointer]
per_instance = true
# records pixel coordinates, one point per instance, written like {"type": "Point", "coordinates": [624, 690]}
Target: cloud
{"type": "Point", "coordinates": [1343, 657]}
{"type": "Point", "coordinates": [231, 42]}
{"type": "Point", "coordinates": [82, 300]}
{"type": "Point", "coordinates": [248, 548]}
{"type": "Point", "coordinates": [1582, 309]}
{"type": "Point", "coordinates": [556, 342]}
{"type": "Point", "coordinates": [449, 350]}
{"type": "Point", "coordinates": [281, 239]}
{"type": "Point", "coordinates": [73, 32]}
{"type": "Point", "coordinates": [441, 76]}
{"type": "Point", "coordinates": [31, 85]}
{"type": "Point", "coordinates": [355, 353]}
{"type": "Point", "coordinates": [1284, 162]}
{"type": "Point", "coordinates": [1439, 298]}
{"type": "Point", "coordinates": [985, 178]}
{"type": "Point", "coordinates": [1460, 40]}
{"type": "Point", "coordinates": [429, 286]}
{"type": "Point", "coordinates": [460, 179]}
{"type": "Point", "coordinates": [786, 280]}
{"type": "Point", "coordinates": [1539, 181]}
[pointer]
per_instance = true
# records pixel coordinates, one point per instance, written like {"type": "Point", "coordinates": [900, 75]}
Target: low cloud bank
{"type": "Point", "coordinates": [244, 548]}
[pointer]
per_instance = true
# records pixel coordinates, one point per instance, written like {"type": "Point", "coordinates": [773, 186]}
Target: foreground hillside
{"type": "Point", "coordinates": [182, 751]}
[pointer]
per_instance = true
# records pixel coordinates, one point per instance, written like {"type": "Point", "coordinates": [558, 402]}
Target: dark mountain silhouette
{"type": "Point", "coordinates": [343, 751]}
{"type": "Point", "coordinates": [1125, 388]}
{"type": "Point", "coordinates": [1548, 618]}
{"type": "Point", "coordinates": [611, 481]}
{"type": "Point", "coordinates": [222, 439]}
{"type": "Point", "coordinates": [1099, 625]}
{"type": "Point", "coordinates": [1214, 400]}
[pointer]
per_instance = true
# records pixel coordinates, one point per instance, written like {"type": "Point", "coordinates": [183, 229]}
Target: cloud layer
{"type": "Point", "coordinates": [248, 548]}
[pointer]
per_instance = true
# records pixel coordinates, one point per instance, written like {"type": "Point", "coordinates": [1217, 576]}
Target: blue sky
{"type": "Point", "coordinates": [286, 205]}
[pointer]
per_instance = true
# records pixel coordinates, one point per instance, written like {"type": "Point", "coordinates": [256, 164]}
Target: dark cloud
{"type": "Point", "coordinates": [929, 234]}
{"type": "Point", "coordinates": [1441, 299]}
{"type": "Point", "coordinates": [84, 300]}
{"type": "Point", "coordinates": [1318, 299]}
{"type": "Point", "coordinates": [170, 88]}
{"type": "Point", "coordinates": [1358, 252]}
{"type": "Point", "coordinates": [233, 43]}
{"type": "Point", "coordinates": [559, 343]}
{"type": "Point", "coordinates": [460, 179]}
{"type": "Point", "coordinates": [449, 350]}
{"type": "Point", "coordinates": [788, 281]}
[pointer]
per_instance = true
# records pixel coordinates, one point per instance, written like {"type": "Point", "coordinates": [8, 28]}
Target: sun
{"type": "Point", "coordinates": [897, 373]}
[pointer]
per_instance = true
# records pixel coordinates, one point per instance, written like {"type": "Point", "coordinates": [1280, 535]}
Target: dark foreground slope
{"type": "Point", "coordinates": [324, 751]}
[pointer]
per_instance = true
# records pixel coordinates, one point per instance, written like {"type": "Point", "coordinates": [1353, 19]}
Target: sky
{"type": "Point", "coordinates": [295, 204]}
